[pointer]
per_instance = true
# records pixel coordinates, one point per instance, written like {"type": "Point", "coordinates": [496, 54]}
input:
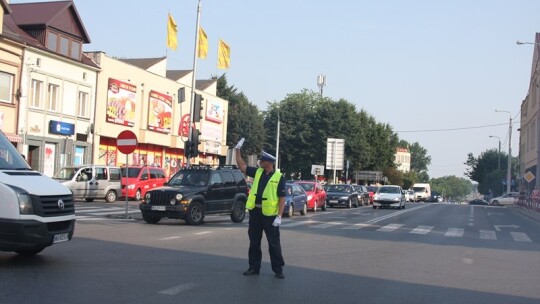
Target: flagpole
{"type": "Point", "coordinates": [190, 137]}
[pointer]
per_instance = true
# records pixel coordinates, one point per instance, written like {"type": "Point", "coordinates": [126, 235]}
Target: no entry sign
{"type": "Point", "coordinates": [126, 142]}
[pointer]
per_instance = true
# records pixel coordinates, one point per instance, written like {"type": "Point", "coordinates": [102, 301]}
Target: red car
{"type": "Point", "coordinates": [372, 190]}
{"type": "Point", "coordinates": [316, 194]}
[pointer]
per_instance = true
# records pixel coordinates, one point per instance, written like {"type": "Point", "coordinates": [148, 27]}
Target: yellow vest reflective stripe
{"type": "Point", "coordinates": [270, 203]}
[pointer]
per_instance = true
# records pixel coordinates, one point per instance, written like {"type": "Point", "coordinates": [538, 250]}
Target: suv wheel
{"type": "Point", "coordinates": [150, 219]}
{"type": "Point", "coordinates": [239, 212]}
{"type": "Point", "coordinates": [195, 214]}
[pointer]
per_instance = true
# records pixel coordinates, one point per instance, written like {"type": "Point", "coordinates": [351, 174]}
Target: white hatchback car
{"type": "Point", "coordinates": [510, 198]}
{"type": "Point", "coordinates": [389, 196]}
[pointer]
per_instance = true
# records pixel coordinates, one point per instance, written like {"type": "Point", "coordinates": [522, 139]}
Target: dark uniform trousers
{"type": "Point", "coordinates": [257, 224]}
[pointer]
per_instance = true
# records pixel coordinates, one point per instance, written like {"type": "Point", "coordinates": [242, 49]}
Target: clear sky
{"type": "Point", "coordinates": [434, 70]}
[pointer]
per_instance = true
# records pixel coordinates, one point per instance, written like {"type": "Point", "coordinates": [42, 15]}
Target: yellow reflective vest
{"type": "Point", "coordinates": [270, 199]}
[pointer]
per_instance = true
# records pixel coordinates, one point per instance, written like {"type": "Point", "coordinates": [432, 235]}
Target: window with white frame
{"type": "Point", "coordinates": [82, 110]}
{"type": "Point", "coordinates": [6, 87]}
{"type": "Point", "coordinates": [54, 95]}
{"type": "Point", "coordinates": [37, 93]}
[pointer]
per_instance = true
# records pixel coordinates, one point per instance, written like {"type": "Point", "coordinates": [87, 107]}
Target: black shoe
{"type": "Point", "coordinates": [280, 275]}
{"type": "Point", "coordinates": [251, 272]}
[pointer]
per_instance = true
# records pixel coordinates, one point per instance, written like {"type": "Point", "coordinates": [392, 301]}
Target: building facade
{"type": "Point", "coordinates": [403, 160]}
{"type": "Point", "coordinates": [61, 106]}
{"type": "Point", "coordinates": [529, 150]}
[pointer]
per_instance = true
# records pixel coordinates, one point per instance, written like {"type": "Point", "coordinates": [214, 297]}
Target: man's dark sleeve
{"type": "Point", "coordinates": [250, 171]}
{"type": "Point", "coordinates": [281, 187]}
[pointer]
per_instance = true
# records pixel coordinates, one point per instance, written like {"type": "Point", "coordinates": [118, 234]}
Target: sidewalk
{"type": "Point", "coordinates": [528, 212]}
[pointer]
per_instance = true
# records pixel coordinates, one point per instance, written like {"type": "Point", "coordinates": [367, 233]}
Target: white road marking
{"type": "Point", "coordinates": [299, 223]}
{"type": "Point", "coordinates": [454, 232]}
{"type": "Point", "coordinates": [326, 225]}
{"type": "Point", "coordinates": [357, 226]}
{"type": "Point", "coordinates": [378, 219]}
{"type": "Point", "coordinates": [170, 238]}
{"type": "Point", "coordinates": [177, 289]}
{"type": "Point", "coordinates": [488, 235]}
{"type": "Point", "coordinates": [520, 237]}
{"type": "Point", "coordinates": [422, 229]}
{"type": "Point", "coordinates": [203, 232]}
{"type": "Point", "coordinates": [390, 227]}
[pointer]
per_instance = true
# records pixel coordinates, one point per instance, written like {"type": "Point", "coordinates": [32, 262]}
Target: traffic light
{"type": "Point", "coordinates": [197, 108]}
{"type": "Point", "coordinates": [191, 147]}
{"type": "Point", "coordinates": [195, 142]}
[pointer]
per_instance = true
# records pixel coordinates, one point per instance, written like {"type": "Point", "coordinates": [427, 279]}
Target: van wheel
{"type": "Point", "coordinates": [150, 219]}
{"type": "Point", "coordinates": [138, 195]}
{"type": "Point", "coordinates": [195, 214]}
{"type": "Point", "coordinates": [110, 197]}
{"type": "Point", "coordinates": [89, 199]}
{"type": "Point", "coordinates": [29, 252]}
{"type": "Point", "coordinates": [239, 212]}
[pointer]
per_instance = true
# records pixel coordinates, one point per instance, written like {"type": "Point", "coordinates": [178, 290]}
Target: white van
{"type": "Point", "coordinates": [35, 210]}
{"type": "Point", "coordinates": [91, 182]}
{"type": "Point", "coordinates": [422, 192]}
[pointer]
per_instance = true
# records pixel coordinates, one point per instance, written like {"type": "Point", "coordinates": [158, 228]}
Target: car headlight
{"type": "Point", "coordinates": [396, 199]}
{"type": "Point", "coordinates": [310, 197]}
{"type": "Point", "coordinates": [25, 203]}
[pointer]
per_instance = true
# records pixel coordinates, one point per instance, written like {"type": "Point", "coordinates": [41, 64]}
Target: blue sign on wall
{"type": "Point", "coordinates": [62, 128]}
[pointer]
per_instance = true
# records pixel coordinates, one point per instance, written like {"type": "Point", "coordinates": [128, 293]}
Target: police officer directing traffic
{"type": "Point", "coordinates": [265, 203]}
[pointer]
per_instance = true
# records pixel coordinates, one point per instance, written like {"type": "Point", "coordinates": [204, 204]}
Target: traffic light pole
{"type": "Point", "coordinates": [192, 101]}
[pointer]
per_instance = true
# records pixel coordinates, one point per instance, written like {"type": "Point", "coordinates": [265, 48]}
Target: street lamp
{"type": "Point", "coordinates": [498, 155]}
{"type": "Point", "coordinates": [509, 169]}
{"type": "Point", "coordinates": [521, 42]}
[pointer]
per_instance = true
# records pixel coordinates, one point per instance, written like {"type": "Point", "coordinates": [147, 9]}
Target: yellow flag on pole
{"type": "Point", "coordinates": [171, 33]}
{"type": "Point", "coordinates": [203, 44]}
{"type": "Point", "coordinates": [224, 55]}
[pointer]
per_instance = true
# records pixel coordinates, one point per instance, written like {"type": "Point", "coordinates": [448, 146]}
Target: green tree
{"type": "Point", "coordinates": [483, 169]}
{"type": "Point", "coordinates": [451, 186]}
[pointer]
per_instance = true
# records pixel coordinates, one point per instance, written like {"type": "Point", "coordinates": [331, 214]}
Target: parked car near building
{"type": "Point", "coordinates": [341, 195]}
{"type": "Point", "coordinates": [315, 193]}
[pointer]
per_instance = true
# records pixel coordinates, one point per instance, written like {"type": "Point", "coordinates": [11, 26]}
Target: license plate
{"type": "Point", "coordinates": [333, 201]}
{"type": "Point", "coordinates": [58, 238]}
{"type": "Point", "coordinates": [158, 208]}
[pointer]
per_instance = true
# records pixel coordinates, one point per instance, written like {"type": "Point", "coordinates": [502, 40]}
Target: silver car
{"type": "Point", "coordinates": [389, 196]}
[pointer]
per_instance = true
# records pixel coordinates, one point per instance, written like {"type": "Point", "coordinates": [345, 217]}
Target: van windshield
{"type": "Point", "coordinates": [66, 173]}
{"type": "Point", "coordinates": [131, 172]}
{"type": "Point", "coordinates": [10, 158]}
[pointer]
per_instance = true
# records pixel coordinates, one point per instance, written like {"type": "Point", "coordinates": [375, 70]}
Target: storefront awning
{"type": "Point", "coordinates": [14, 137]}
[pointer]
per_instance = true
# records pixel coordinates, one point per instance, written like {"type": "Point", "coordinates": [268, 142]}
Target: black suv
{"type": "Point", "coordinates": [193, 192]}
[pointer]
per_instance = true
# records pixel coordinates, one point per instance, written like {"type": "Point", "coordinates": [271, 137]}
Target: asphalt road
{"type": "Point", "coordinates": [426, 253]}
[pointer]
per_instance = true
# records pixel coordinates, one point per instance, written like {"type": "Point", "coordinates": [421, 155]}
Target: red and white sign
{"type": "Point", "coordinates": [126, 142]}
